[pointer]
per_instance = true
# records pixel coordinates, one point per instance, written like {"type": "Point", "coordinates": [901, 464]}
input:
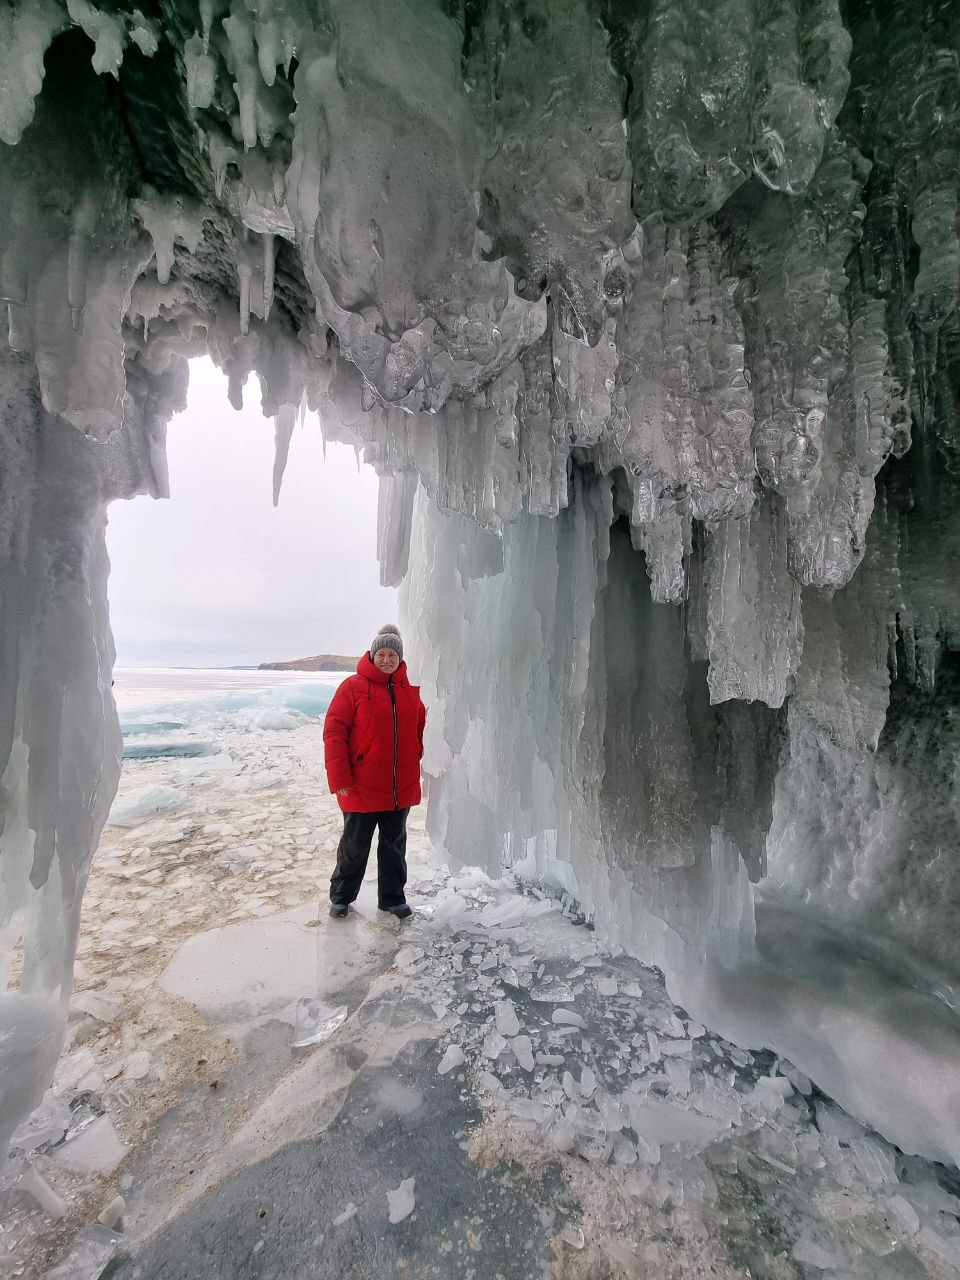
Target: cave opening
{"type": "Point", "coordinates": [645, 319]}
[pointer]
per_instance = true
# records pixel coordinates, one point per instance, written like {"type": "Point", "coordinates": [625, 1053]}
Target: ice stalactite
{"type": "Point", "coordinates": [60, 745]}
{"type": "Point", "coordinates": [647, 318]}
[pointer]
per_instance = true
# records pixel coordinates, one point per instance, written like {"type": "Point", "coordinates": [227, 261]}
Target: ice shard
{"type": "Point", "coordinates": [647, 317]}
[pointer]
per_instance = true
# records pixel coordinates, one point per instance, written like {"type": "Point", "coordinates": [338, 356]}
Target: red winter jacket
{"type": "Point", "coordinates": [373, 740]}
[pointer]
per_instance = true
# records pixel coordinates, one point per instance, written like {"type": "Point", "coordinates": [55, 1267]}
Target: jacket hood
{"type": "Point", "coordinates": [370, 671]}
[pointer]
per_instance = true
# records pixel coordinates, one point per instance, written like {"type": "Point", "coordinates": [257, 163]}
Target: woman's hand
{"type": "Point", "coordinates": [343, 791]}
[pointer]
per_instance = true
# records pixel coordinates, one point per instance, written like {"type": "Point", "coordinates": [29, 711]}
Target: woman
{"type": "Point", "coordinates": [373, 741]}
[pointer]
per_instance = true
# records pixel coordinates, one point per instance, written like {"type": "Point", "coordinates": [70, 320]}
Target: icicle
{"type": "Point", "coordinates": [278, 166]}
{"type": "Point", "coordinates": [239, 31]}
{"type": "Point", "coordinates": [222, 154]}
{"type": "Point", "coordinates": [143, 34]}
{"type": "Point", "coordinates": [105, 30]}
{"type": "Point", "coordinates": [283, 425]}
{"type": "Point", "coordinates": [16, 338]}
{"type": "Point", "coordinates": [25, 35]}
{"type": "Point", "coordinates": [14, 260]}
{"type": "Point", "coordinates": [168, 219]}
{"type": "Point", "coordinates": [268, 269]}
{"type": "Point", "coordinates": [208, 9]}
{"type": "Point", "coordinates": [201, 74]}
{"type": "Point", "coordinates": [84, 221]}
{"type": "Point", "coordinates": [245, 268]}
{"type": "Point", "coordinates": [368, 397]}
{"type": "Point", "coordinates": [268, 50]}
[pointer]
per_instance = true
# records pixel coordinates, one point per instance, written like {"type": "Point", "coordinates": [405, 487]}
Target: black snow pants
{"type": "Point", "coordinates": [354, 850]}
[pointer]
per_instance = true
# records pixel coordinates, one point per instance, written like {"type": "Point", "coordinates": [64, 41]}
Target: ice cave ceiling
{"type": "Point", "coordinates": [682, 276]}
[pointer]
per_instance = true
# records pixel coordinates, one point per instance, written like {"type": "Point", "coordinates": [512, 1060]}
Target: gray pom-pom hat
{"type": "Point", "coordinates": [387, 637]}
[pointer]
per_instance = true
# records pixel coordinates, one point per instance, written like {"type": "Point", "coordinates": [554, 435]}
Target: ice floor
{"type": "Point", "coordinates": [504, 1097]}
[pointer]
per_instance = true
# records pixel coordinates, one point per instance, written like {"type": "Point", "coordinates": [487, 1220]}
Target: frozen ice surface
{"type": "Point", "coordinates": [402, 1201]}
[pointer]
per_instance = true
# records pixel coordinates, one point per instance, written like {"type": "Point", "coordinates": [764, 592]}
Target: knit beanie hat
{"type": "Point", "coordinates": [388, 637]}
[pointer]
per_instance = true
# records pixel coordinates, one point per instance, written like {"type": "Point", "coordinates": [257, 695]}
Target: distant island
{"type": "Point", "coordinates": [321, 662]}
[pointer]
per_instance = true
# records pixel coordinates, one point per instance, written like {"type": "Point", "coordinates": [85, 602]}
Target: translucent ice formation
{"type": "Point", "coordinates": [647, 316]}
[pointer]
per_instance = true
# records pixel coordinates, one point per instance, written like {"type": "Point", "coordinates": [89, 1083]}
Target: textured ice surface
{"type": "Point", "coordinates": [647, 317]}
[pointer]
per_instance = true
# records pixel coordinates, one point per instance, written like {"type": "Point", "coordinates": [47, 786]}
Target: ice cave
{"type": "Point", "coordinates": [646, 314]}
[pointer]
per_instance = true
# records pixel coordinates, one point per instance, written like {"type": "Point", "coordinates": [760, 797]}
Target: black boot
{"type": "Point", "coordinates": [402, 912]}
{"type": "Point", "coordinates": [339, 910]}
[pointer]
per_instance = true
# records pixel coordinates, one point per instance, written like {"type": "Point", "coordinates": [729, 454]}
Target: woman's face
{"type": "Point", "coordinates": [386, 660]}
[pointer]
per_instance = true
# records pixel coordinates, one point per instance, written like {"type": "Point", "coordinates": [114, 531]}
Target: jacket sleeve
{"type": "Point", "coordinates": [336, 738]}
{"type": "Point", "coordinates": [421, 723]}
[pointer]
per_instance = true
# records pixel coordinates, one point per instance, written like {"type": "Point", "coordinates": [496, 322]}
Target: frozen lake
{"type": "Point", "coordinates": [136, 688]}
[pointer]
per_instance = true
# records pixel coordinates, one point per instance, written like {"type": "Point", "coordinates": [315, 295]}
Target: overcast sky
{"type": "Point", "coordinates": [215, 576]}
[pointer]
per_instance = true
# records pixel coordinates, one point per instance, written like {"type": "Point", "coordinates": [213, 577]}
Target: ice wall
{"type": "Point", "coordinates": [647, 316]}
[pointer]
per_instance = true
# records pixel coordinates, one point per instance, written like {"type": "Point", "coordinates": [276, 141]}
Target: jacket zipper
{"type": "Point", "coordinates": [393, 700]}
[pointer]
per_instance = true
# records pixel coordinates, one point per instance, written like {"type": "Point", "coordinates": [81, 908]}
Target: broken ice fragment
{"type": "Point", "coordinates": [678, 1073]}
{"type": "Point", "coordinates": [566, 1017]}
{"type": "Point", "coordinates": [95, 1149]}
{"type": "Point", "coordinates": [551, 992]}
{"type": "Point", "coordinates": [665, 1124]}
{"type": "Point", "coordinates": [607, 986]}
{"type": "Point", "coordinates": [453, 1058]}
{"type": "Point", "coordinates": [648, 1151]}
{"type": "Point", "coordinates": [315, 1022]}
{"type": "Point", "coordinates": [528, 1110]}
{"type": "Point", "coordinates": [29, 1180]}
{"type": "Point", "coordinates": [771, 1092]}
{"type": "Point", "coordinates": [588, 1082]}
{"type": "Point", "coordinates": [98, 1004]}
{"type": "Point", "coordinates": [573, 1235]}
{"type": "Point", "coordinates": [493, 1045]}
{"type": "Point", "coordinates": [676, 1048]}
{"type": "Point", "coordinates": [508, 1024]}
{"type": "Point", "coordinates": [523, 1051]}
{"type": "Point", "coordinates": [401, 1200]}
{"type": "Point", "coordinates": [874, 1160]}
{"type": "Point", "coordinates": [111, 1215]}
{"type": "Point", "coordinates": [137, 1066]}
